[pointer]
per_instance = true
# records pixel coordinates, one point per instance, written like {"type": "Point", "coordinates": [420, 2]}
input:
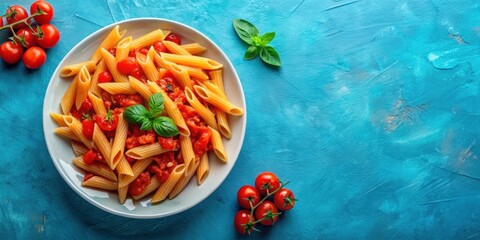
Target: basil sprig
{"type": "Point", "coordinates": [259, 44]}
{"type": "Point", "coordinates": [151, 118]}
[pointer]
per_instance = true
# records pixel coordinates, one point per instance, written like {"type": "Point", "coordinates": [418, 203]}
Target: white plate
{"type": "Point", "coordinates": [61, 151]}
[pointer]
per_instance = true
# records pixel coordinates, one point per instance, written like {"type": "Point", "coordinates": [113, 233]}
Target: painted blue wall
{"type": "Point", "coordinates": [373, 118]}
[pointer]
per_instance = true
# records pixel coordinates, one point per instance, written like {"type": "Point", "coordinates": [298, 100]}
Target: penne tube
{"type": "Point", "coordinates": [94, 88]}
{"type": "Point", "coordinates": [180, 185]}
{"type": "Point", "coordinates": [203, 169]}
{"type": "Point", "coordinates": [197, 73]}
{"type": "Point", "coordinates": [100, 183]}
{"type": "Point", "coordinates": [109, 42]}
{"type": "Point", "coordinates": [102, 144]}
{"type": "Point", "coordinates": [177, 173]}
{"type": "Point", "coordinates": [112, 66]}
{"type": "Point", "coordinates": [79, 149]}
{"type": "Point", "coordinates": [222, 119]}
{"type": "Point", "coordinates": [96, 168]}
{"type": "Point", "coordinates": [58, 118]}
{"type": "Point", "coordinates": [147, 39]}
{"type": "Point", "coordinates": [186, 148]}
{"type": "Point", "coordinates": [68, 98]}
{"type": "Point", "coordinates": [83, 85]}
{"type": "Point", "coordinates": [117, 88]}
{"type": "Point", "coordinates": [73, 69]}
{"type": "Point", "coordinates": [122, 194]}
{"type": "Point", "coordinates": [140, 87]}
{"type": "Point", "coordinates": [218, 101]}
{"type": "Point", "coordinates": [123, 48]}
{"type": "Point", "coordinates": [180, 74]}
{"type": "Point", "coordinates": [217, 145]}
{"type": "Point", "coordinates": [123, 167]}
{"type": "Point", "coordinates": [98, 105]}
{"type": "Point", "coordinates": [118, 145]}
{"type": "Point", "coordinates": [146, 151]}
{"type": "Point", "coordinates": [175, 48]}
{"type": "Point", "coordinates": [137, 168]}
{"type": "Point", "coordinates": [202, 111]}
{"type": "Point", "coordinates": [192, 61]}
{"type": "Point", "coordinates": [76, 127]}
{"type": "Point", "coordinates": [193, 48]}
{"type": "Point", "coordinates": [66, 132]}
{"type": "Point", "coordinates": [147, 65]}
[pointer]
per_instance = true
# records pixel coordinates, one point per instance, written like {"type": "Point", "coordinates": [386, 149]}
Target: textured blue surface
{"type": "Point", "coordinates": [373, 118]}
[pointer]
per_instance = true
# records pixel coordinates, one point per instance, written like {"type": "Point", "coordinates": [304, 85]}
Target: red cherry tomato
{"type": "Point", "coordinates": [284, 199]}
{"type": "Point", "coordinates": [244, 222]}
{"type": "Point", "coordinates": [27, 39]}
{"type": "Point", "coordinates": [174, 38]}
{"type": "Point", "coordinates": [127, 65]}
{"type": "Point", "coordinates": [248, 194]}
{"type": "Point", "coordinates": [87, 127]}
{"type": "Point", "coordinates": [267, 181]}
{"type": "Point", "coordinates": [50, 36]}
{"type": "Point", "coordinates": [138, 74]}
{"type": "Point", "coordinates": [268, 212]}
{"type": "Point", "coordinates": [11, 52]}
{"type": "Point", "coordinates": [1, 21]}
{"type": "Point", "coordinates": [34, 57]}
{"type": "Point", "coordinates": [104, 77]}
{"type": "Point", "coordinates": [46, 8]}
{"type": "Point", "coordinates": [16, 13]}
{"type": "Point", "coordinates": [108, 122]}
{"type": "Point", "coordinates": [89, 156]}
{"type": "Point", "coordinates": [159, 47]}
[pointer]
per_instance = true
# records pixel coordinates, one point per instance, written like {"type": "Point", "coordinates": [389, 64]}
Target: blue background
{"type": "Point", "coordinates": [373, 118]}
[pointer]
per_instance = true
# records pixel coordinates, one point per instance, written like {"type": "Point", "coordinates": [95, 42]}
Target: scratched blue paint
{"type": "Point", "coordinates": [373, 118]}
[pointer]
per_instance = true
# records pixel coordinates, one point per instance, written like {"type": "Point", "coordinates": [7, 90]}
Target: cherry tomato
{"type": "Point", "coordinates": [50, 36]}
{"type": "Point", "coordinates": [268, 212]}
{"type": "Point", "coordinates": [34, 57]}
{"type": "Point", "coordinates": [1, 21]}
{"type": "Point", "coordinates": [16, 13]}
{"type": "Point", "coordinates": [11, 52]}
{"type": "Point", "coordinates": [27, 39]}
{"type": "Point", "coordinates": [127, 65]}
{"type": "Point", "coordinates": [89, 156]}
{"type": "Point", "coordinates": [248, 194]}
{"type": "Point", "coordinates": [143, 51]}
{"type": "Point", "coordinates": [104, 77]}
{"type": "Point", "coordinates": [108, 122]}
{"type": "Point", "coordinates": [87, 127]}
{"type": "Point", "coordinates": [45, 7]}
{"type": "Point", "coordinates": [138, 74]}
{"type": "Point", "coordinates": [244, 222]}
{"type": "Point", "coordinates": [267, 181]}
{"type": "Point", "coordinates": [139, 184]}
{"type": "Point", "coordinates": [284, 199]}
{"type": "Point", "coordinates": [172, 37]}
{"type": "Point", "coordinates": [86, 106]}
{"type": "Point", "coordinates": [159, 47]}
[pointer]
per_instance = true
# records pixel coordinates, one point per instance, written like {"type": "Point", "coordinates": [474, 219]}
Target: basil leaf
{"type": "Point", "coordinates": [136, 114]}
{"type": "Point", "coordinates": [165, 127]}
{"type": "Point", "coordinates": [252, 52]}
{"type": "Point", "coordinates": [267, 38]}
{"type": "Point", "coordinates": [155, 104]}
{"type": "Point", "coordinates": [269, 55]}
{"type": "Point", "coordinates": [245, 30]}
{"type": "Point", "coordinates": [146, 125]}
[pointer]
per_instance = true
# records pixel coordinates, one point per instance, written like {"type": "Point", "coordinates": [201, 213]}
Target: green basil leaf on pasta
{"type": "Point", "coordinates": [252, 52]}
{"type": "Point", "coordinates": [267, 38]}
{"type": "Point", "coordinates": [136, 114]}
{"type": "Point", "coordinates": [156, 104]}
{"type": "Point", "coordinates": [165, 127]}
{"type": "Point", "coordinates": [245, 30]}
{"type": "Point", "coordinates": [269, 55]}
{"type": "Point", "coordinates": [146, 125]}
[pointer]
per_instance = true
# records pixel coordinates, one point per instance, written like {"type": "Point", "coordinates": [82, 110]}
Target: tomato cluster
{"type": "Point", "coordinates": [262, 203]}
{"type": "Point", "coordinates": [30, 34]}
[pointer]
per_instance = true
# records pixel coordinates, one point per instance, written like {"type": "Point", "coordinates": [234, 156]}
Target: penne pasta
{"type": "Point", "coordinates": [117, 87]}
{"type": "Point", "coordinates": [140, 87]}
{"type": "Point", "coordinates": [118, 145]}
{"type": "Point", "coordinates": [203, 111]}
{"type": "Point", "coordinates": [192, 61]}
{"type": "Point", "coordinates": [102, 144]}
{"type": "Point", "coordinates": [109, 42]}
{"type": "Point", "coordinates": [217, 145]}
{"type": "Point", "coordinates": [180, 74]}
{"type": "Point", "coordinates": [79, 149]}
{"type": "Point", "coordinates": [146, 151]}
{"type": "Point", "coordinates": [122, 194]}
{"type": "Point", "coordinates": [218, 101]}
{"type": "Point", "coordinates": [147, 39]}
{"type": "Point", "coordinates": [94, 88]}
{"type": "Point", "coordinates": [83, 86]}
{"type": "Point", "coordinates": [147, 65]}
{"type": "Point", "coordinates": [123, 48]}
{"type": "Point", "coordinates": [66, 132]}
{"type": "Point", "coordinates": [175, 48]}
{"type": "Point", "coordinates": [100, 183]}
{"type": "Point", "coordinates": [182, 183]}
{"type": "Point", "coordinates": [68, 98]}
{"type": "Point", "coordinates": [186, 149]}
{"type": "Point", "coordinates": [112, 66]}
{"type": "Point", "coordinates": [196, 73]}
{"type": "Point", "coordinates": [153, 185]}
{"type": "Point", "coordinates": [58, 118]}
{"type": "Point", "coordinates": [76, 127]}
{"type": "Point", "coordinates": [73, 69]}
{"type": "Point", "coordinates": [137, 168]}
{"type": "Point", "coordinates": [194, 48]}
{"type": "Point", "coordinates": [97, 104]}
{"type": "Point", "coordinates": [123, 167]}
{"type": "Point", "coordinates": [222, 120]}
{"type": "Point", "coordinates": [203, 169]}
{"type": "Point", "coordinates": [96, 168]}
{"type": "Point", "coordinates": [164, 189]}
